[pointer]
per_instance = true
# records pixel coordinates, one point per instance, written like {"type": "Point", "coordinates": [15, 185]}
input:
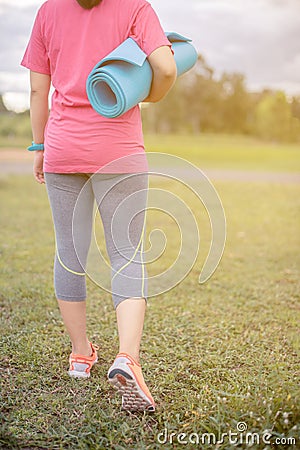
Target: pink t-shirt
{"type": "Point", "coordinates": [66, 42]}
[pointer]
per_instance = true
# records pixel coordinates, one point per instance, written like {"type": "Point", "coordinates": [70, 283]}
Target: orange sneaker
{"type": "Point", "coordinates": [126, 376]}
{"type": "Point", "coordinates": [80, 365]}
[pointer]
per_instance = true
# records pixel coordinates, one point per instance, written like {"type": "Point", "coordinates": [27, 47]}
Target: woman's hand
{"type": "Point", "coordinates": [38, 167]}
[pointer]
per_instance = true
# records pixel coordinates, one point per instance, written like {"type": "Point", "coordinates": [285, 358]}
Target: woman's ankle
{"type": "Point", "coordinates": [134, 354]}
{"type": "Point", "coordinates": [82, 348]}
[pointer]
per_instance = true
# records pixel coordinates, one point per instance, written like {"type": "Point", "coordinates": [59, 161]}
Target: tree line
{"type": "Point", "coordinates": [200, 102]}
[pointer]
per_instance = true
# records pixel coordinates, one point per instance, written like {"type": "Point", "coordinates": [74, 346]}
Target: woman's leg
{"type": "Point", "coordinates": [130, 319]}
{"type": "Point", "coordinates": [122, 203]}
{"type": "Point", "coordinates": [74, 317]}
{"type": "Point", "coordinates": [69, 277]}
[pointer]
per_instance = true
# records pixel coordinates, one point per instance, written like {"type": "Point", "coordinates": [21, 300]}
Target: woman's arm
{"type": "Point", "coordinates": [39, 112]}
{"type": "Point", "coordinates": [164, 70]}
{"type": "Point", "coordinates": [39, 109]}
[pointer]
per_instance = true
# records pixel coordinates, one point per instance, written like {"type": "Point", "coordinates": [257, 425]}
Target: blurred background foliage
{"type": "Point", "coordinates": [202, 102]}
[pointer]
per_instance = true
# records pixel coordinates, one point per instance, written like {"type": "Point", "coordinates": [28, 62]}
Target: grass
{"type": "Point", "coordinates": [14, 142]}
{"type": "Point", "coordinates": [228, 151]}
{"type": "Point", "coordinates": [214, 151]}
{"type": "Point", "coordinates": [213, 354]}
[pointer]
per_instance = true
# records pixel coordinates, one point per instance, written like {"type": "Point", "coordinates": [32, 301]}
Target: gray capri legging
{"type": "Point", "coordinates": [121, 200]}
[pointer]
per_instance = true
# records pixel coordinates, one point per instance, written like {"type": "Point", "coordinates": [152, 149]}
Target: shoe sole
{"type": "Point", "coordinates": [132, 397]}
{"type": "Point", "coordinates": [77, 374]}
{"type": "Point", "coordinates": [74, 374]}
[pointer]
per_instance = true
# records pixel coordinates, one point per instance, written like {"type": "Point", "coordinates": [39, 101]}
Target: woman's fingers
{"type": "Point", "coordinates": [38, 167]}
{"type": "Point", "coordinates": [39, 176]}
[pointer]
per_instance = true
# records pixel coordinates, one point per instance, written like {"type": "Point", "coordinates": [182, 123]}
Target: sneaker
{"type": "Point", "coordinates": [80, 365]}
{"type": "Point", "coordinates": [126, 376]}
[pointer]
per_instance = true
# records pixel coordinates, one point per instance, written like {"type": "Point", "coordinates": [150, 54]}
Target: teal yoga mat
{"type": "Point", "coordinates": [123, 78]}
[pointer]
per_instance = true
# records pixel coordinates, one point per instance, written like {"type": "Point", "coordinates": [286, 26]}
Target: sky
{"type": "Point", "coordinates": [259, 38]}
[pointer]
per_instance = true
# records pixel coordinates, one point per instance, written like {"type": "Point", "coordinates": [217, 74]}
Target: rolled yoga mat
{"type": "Point", "coordinates": [123, 78]}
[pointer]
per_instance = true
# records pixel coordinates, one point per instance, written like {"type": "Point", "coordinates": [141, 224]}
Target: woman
{"type": "Point", "coordinates": [72, 144]}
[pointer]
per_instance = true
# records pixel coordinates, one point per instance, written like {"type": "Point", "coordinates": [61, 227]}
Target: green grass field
{"type": "Point", "coordinates": [213, 354]}
{"type": "Point", "coordinates": [214, 151]}
{"type": "Point", "coordinates": [228, 151]}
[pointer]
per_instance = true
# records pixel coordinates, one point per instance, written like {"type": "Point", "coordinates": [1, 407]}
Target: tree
{"type": "Point", "coordinates": [295, 105]}
{"type": "Point", "coordinates": [236, 103]}
{"type": "Point", "coordinates": [3, 108]}
{"type": "Point", "coordinates": [274, 117]}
